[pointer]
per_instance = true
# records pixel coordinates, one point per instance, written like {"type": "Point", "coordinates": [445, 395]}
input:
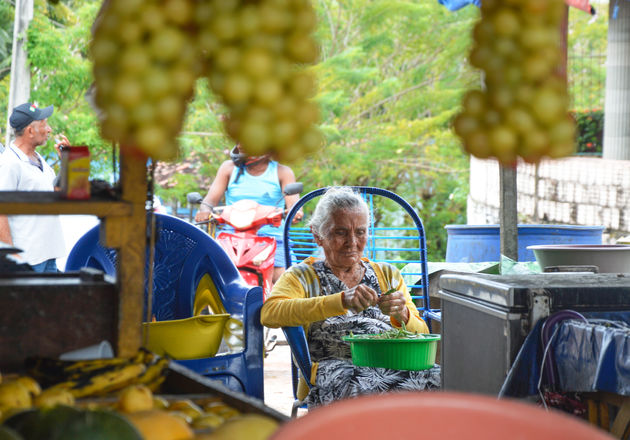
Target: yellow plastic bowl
{"type": "Point", "coordinates": [189, 338]}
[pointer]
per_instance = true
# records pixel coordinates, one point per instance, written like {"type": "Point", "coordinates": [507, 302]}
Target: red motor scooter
{"type": "Point", "coordinates": [252, 255]}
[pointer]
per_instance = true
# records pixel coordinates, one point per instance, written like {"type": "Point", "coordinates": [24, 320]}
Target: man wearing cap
{"type": "Point", "coordinates": [22, 168]}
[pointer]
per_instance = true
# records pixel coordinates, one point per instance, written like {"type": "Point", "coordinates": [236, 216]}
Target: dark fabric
{"type": "Point", "coordinates": [591, 356]}
{"type": "Point", "coordinates": [522, 379]}
{"type": "Point", "coordinates": [337, 377]}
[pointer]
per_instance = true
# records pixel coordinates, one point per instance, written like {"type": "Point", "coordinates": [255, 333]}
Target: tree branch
{"type": "Point", "coordinates": [384, 101]}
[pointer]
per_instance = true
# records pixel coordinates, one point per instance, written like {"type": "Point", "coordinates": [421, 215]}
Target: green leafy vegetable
{"type": "Point", "coordinates": [394, 333]}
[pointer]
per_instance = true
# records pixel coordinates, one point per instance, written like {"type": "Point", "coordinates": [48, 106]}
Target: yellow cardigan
{"type": "Point", "coordinates": [301, 285]}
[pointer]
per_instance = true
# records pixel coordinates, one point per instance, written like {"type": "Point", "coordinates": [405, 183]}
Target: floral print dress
{"type": "Point", "coordinates": [337, 377]}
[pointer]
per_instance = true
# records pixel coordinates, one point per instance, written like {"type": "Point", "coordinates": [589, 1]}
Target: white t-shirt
{"type": "Point", "coordinates": [39, 236]}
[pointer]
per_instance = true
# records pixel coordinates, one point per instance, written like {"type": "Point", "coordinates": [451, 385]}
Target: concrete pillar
{"type": "Point", "coordinates": [617, 103]}
{"type": "Point", "coordinates": [20, 87]}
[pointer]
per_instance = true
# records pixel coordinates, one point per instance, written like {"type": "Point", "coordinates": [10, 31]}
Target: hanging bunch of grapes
{"type": "Point", "coordinates": [148, 53]}
{"type": "Point", "coordinates": [523, 109]}
{"type": "Point", "coordinates": [256, 54]}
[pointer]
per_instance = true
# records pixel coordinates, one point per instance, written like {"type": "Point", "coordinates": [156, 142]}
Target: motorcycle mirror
{"type": "Point", "coordinates": [194, 198]}
{"type": "Point", "coordinates": [293, 188]}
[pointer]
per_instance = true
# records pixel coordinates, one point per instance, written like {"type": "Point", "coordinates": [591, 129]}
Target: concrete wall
{"type": "Point", "coordinates": [575, 191]}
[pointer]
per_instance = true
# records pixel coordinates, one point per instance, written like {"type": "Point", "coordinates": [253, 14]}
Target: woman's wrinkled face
{"type": "Point", "coordinates": [343, 245]}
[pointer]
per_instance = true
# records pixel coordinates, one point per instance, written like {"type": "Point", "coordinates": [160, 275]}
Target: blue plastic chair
{"type": "Point", "coordinates": [183, 255]}
{"type": "Point", "coordinates": [403, 245]}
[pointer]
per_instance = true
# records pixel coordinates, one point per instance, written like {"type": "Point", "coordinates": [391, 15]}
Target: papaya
{"type": "Point", "coordinates": [247, 426]}
{"type": "Point", "coordinates": [160, 425]}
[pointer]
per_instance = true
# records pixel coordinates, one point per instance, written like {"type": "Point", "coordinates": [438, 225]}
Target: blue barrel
{"type": "Point", "coordinates": [478, 243]}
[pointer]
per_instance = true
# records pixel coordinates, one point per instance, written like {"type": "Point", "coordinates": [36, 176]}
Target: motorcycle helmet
{"type": "Point", "coordinates": [239, 159]}
{"type": "Point", "coordinates": [243, 160]}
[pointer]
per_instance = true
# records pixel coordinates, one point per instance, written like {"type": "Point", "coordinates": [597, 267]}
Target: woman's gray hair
{"type": "Point", "coordinates": [334, 199]}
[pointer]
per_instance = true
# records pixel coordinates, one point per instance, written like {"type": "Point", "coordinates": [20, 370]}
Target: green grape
{"type": "Point", "coordinates": [284, 132]}
{"type": "Point", "coordinates": [465, 124]}
{"type": "Point", "coordinates": [237, 88]}
{"type": "Point", "coordinates": [474, 102]}
{"type": "Point", "coordinates": [254, 137]}
{"type": "Point", "coordinates": [128, 91]}
{"type": "Point", "coordinates": [178, 11]}
{"type": "Point", "coordinates": [134, 60]}
{"type": "Point", "coordinates": [477, 144]}
{"type": "Point", "coordinates": [506, 22]}
{"type": "Point", "coordinates": [267, 91]}
{"type": "Point", "coordinates": [257, 62]}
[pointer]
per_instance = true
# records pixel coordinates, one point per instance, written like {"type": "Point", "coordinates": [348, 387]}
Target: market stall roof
{"type": "Point", "coordinates": [454, 5]}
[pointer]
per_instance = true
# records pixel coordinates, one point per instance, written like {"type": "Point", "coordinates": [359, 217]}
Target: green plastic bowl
{"type": "Point", "coordinates": [396, 354]}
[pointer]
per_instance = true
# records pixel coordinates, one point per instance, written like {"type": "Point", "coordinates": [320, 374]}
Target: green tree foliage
{"type": "Point", "coordinates": [587, 44]}
{"type": "Point", "coordinates": [390, 79]}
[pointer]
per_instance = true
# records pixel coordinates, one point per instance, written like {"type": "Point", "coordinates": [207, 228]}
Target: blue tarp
{"type": "Point", "coordinates": [588, 356]}
{"type": "Point", "coordinates": [454, 5]}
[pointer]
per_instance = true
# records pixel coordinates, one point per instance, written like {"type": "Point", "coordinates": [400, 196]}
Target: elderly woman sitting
{"type": "Point", "coordinates": [339, 294]}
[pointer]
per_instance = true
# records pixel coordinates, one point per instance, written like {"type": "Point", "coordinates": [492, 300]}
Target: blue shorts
{"type": "Point", "coordinates": [46, 266]}
{"type": "Point", "coordinates": [279, 257]}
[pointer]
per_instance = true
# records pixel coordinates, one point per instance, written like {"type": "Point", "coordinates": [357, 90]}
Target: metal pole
{"type": "Point", "coordinates": [20, 87]}
{"type": "Point", "coordinates": [508, 212]}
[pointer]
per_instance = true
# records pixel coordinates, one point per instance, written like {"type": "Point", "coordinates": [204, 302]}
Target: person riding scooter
{"type": "Point", "coordinates": [256, 178]}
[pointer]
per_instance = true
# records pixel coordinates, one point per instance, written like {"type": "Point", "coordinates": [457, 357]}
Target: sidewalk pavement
{"type": "Point", "coordinates": [277, 372]}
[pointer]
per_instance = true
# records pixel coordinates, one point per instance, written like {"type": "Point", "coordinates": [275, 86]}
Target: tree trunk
{"type": "Point", "coordinates": [617, 104]}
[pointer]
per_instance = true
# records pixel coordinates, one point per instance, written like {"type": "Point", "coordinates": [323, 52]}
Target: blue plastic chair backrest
{"type": "Point", "coordinates": [401, 243]}
{"type": "Point", "coordinates": [183, 254]}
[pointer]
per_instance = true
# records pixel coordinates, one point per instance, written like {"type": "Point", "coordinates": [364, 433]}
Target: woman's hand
{"type": "Point", "coordinates": [395, 306]}
{"type": "Point", "coordinates": [359, 298]}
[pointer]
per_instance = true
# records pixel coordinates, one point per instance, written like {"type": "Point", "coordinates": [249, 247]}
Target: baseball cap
{"type": "Point", "coordinates": [26, 113]}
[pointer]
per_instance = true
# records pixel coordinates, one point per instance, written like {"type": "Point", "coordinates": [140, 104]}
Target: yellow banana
{"type": "Point", "coordinates": [104, 383]}
{"type": "Point", "coordinates": [154, 385]}
{"type": "Point", "coordinates": [51, 371]}
{"type": "Point", "coordinates": [116, 380]}
{"type": "Point", "coordinates": [155, 374]}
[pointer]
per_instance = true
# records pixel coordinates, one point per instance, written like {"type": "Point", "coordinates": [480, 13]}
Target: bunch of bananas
{"type": "Point", "coordinates": [148, 53]}
{"type": "Point", "coordinates": [98, 377]}
{"type": "Point", "coordinates": [523, 110]}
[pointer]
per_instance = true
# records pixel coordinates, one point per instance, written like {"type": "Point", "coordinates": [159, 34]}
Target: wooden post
{"type": "Point", "coordinates": [128, 236]}
{"type": "Point", "coordinates": [508, 212]}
